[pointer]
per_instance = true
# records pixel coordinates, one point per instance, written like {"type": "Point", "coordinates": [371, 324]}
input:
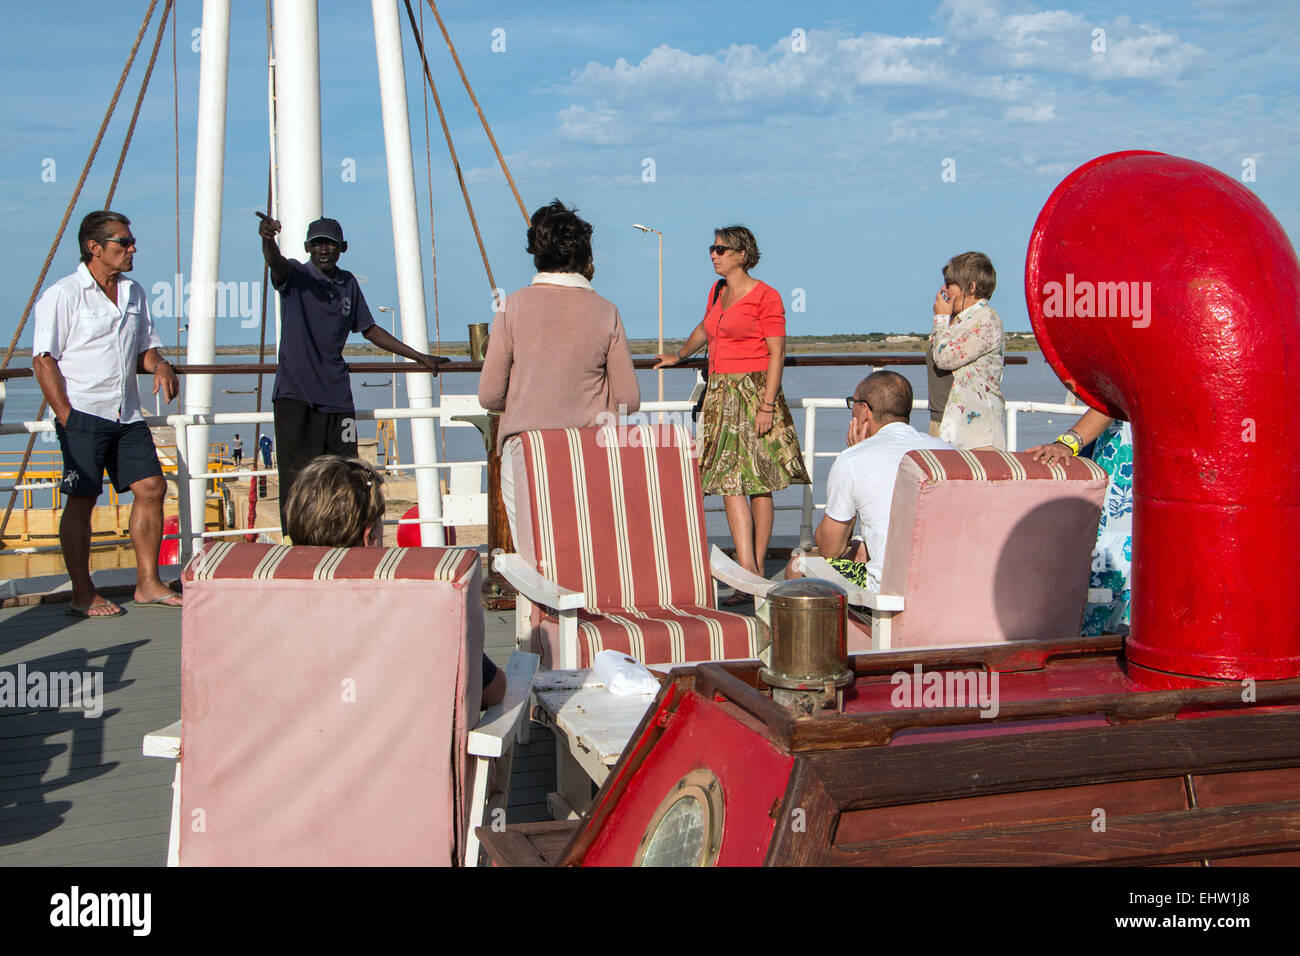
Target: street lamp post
{"type": "Point", "coordinates": [637, 225]}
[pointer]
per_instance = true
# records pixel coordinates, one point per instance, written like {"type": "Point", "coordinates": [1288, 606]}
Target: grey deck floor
{"type": "Point", "coordinates": [77, 790]}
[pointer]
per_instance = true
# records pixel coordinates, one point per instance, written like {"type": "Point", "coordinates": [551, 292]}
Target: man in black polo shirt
{"type": "Point", "coordinates": [319, 305]}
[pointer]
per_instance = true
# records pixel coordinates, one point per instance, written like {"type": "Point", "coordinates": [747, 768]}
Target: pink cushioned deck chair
{"type": "Point", "coordinates": [329, 703]}
{"type": "Point", "coordinates": [984, 547]}
{"type": "Point", "coordinates": [612, 552]}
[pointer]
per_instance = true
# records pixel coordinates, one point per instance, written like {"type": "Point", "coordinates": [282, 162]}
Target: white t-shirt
{"type": "Point", "coordinates": [97, 343]}
{"type": "Point", "coordinates": [861, 485]}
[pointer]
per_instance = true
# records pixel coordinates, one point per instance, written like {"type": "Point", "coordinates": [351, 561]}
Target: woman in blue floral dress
{"type": "Point", "coordinates": [1112, 559]}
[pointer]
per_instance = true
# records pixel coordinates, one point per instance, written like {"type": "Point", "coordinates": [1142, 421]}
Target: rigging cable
{"type": "Point", "coordinates": [433, 247]}
{"type": "Point", "coordinates": [483, 119]}
{"type": "Point", "coordinates": [446, 132]}
{"type": "Point", "coordinates": [139, 99]}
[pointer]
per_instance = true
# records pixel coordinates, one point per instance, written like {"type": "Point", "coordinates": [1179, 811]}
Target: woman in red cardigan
{"type": "Point", "coordinates": [748, 445]}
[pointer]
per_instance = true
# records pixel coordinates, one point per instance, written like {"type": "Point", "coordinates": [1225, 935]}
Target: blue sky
{"type": "Point", "coordinates": [830, 143]}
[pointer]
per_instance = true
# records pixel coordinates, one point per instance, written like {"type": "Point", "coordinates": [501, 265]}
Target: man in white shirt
{"type": "Point", "coordinates": [93, 335]}
{"type": "Point", "coordinates": [860, 486]}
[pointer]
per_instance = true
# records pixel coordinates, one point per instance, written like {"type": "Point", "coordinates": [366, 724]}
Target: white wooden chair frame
{"type": "Point", "coordinates": [535, 589]}
{"type": "Point", "coordinates": [490, 740]}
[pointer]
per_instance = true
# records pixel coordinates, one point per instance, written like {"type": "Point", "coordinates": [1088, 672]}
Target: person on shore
{"type": "Point", "coordinates": [93, 335]}
{"type": "Point", "coordinates": [237, 450]}
{"type": "Point", "coordinates": [967, 339]}
{"type": "Point", "coordinates": [338, 502]}
{"type": "Point", "coordinates": [860, 485]}
{"type": "Point", "coordinates": [1112, 559]}
{"type": "Point", "coordinates": [319, 305]}
{"type": "Point", "coordinates": [747, 440]}
{"type": "Point", "coordinates": [559, 356]}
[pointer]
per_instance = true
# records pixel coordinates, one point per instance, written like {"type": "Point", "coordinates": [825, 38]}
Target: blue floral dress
{"type": "Point", "coordinates": [1112, 560]}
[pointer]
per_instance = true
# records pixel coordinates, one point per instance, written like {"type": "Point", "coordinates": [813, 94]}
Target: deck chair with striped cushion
{"type": "Point", "coordinates": [612, 552]}
{"type": "Point", "coordinates": [330, 708]}
{"type": "Point", "coordinates": [984, 547]}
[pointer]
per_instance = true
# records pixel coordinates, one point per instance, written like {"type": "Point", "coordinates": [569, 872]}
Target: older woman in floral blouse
{"type": "Point", "coordinates": [968, 340]}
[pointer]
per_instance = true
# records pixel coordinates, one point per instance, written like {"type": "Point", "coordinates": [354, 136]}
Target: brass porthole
{"type": "Point", "coordinates": [686, 830]}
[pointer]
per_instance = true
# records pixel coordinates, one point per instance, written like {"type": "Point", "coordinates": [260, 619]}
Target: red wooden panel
{"type": "Point", "coordinates": [701, 734]}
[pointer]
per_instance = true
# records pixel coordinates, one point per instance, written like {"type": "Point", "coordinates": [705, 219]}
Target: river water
{"type": "Point", "coordinates": [1032, 382]}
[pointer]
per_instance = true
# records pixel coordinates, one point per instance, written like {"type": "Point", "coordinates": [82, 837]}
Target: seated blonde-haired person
{"type": "Point", "coordinates": [338, 502]}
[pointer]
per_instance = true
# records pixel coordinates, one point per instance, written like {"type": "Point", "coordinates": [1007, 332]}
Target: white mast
{"type": "Point", "coordinates": [406, 243]}
{"type": "Point", "coordinates": [297, 118]}
{"type": "Point", "coordinates": [205, 256]}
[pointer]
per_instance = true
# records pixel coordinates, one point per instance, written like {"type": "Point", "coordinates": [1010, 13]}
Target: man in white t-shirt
{"type": "Point", "coordinates": [860, 486]}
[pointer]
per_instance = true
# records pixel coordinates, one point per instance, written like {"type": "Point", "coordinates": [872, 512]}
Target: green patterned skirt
{"type": "Point", "coordinates": [734, 458]}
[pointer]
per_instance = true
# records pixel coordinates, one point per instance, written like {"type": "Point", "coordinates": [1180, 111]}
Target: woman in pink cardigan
{"type": "Point", "coordinates": [558, 355]}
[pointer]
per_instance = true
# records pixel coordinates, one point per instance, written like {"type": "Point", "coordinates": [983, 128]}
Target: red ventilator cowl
{"type": "Point", "coordinates": [1165, 293]}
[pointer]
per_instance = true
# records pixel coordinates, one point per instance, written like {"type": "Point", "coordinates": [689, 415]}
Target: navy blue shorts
{"type": "Point", "coordinates": [91, 444]}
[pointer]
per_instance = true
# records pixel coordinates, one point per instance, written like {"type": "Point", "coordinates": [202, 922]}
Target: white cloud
{"type": "Point", "coordinates": [1030, 114]}
{"type": "Point", "coordinates": [1057, 41]}
{"type": "Point", "coordinates": [1004, 52]}
{"type": "Point", "coordinates": [600, 127]}
{"type": "Point", "coordinates": [859, 107]}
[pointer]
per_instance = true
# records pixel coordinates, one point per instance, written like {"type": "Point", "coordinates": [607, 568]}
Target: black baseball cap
{"type": "Point", "coordinates": [325, 229]}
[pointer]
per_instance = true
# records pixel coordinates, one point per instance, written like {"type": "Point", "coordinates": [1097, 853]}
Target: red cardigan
{"type": "Point", "coordinates": [736, 337]}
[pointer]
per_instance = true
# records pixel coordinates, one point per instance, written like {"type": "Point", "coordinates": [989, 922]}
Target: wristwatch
{"type": "Point", "coordinates": [1071, 441]}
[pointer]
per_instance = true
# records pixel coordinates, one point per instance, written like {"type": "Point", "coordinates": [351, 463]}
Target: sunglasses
{"type": "Point", "coordinates": [851, 401]}
{"type": "Point", "coordinates": [719, 250]}
{"type": "Point", "coordinates": [126, 242]}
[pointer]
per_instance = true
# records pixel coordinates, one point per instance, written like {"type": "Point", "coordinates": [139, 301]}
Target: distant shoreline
{"type": "Point", "coordinates": [794, 344]}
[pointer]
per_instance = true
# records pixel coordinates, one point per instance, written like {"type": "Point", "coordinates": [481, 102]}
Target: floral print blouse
{"type": "Point", "coordinates": [972, 347]}
{"type": "Point", "coordinates": [1112, 560]}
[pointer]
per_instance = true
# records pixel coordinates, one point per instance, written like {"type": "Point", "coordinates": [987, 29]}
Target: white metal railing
{"type": "Point", "coordinates": [195, 483]}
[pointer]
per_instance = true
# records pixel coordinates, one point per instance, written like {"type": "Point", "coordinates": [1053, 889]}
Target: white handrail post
{"type": "Point", "coordinates": [406, 243]}
{"type": "Point", "coordinates": [1012, 436]}
{"type": "Point", "coordinates": [810, 463]}
{"type": "Point", "coordinates": [185, 493]}
{"type": "Point", "coordinates": [205, 262]}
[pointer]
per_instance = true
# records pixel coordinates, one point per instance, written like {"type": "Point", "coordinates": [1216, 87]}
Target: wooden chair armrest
{"type": "Point", "coordinates": [498, 723]}
{"type": "Point", "coordinates": [165, 742]}
{"type": "Point", "coordinates": [814, 567]}
{"type": "Point", "coordinates": [525, 579]}
{"type": "Point", "coordinates": [729, 572]}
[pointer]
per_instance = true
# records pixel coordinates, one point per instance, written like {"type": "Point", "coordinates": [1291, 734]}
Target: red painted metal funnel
{"type": "Point", "coordinates": [1202, 355]}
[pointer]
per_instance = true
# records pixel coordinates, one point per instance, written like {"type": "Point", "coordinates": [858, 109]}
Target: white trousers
{"type": "Point", "coordinates": [509, 450]}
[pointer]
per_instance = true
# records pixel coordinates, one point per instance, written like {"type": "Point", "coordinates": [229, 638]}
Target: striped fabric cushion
{"type": "Point", "coordinates": [668, 635]}
{"type": "Point", "coordinates": [230, 560]}
{"type": "Point", "coordinates": [617, 513]}
{"type": "Point", "coordinates": [997, 465]}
